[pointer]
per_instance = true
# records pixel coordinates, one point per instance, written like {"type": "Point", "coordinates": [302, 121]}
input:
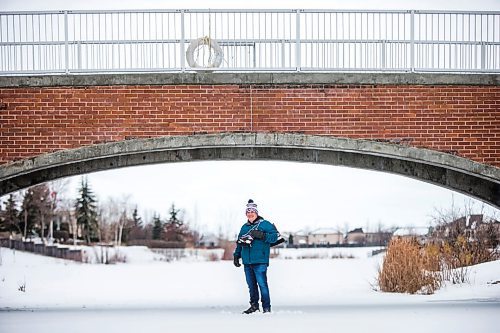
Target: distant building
{"type": "Point", "coordinates": [421, 234]}
{"type": "Point", "coordinates": [379, 238]}
{"type": "Point", "coordinates": [465, 225]}
{"type": "Point", "coordinates": [300, 238]}
{"type": "Point", "coordinates": [474, 227]}
{"type": "Point", "coordinates": [333, 237]}
{"type": "Point", "coordinates": [356, 236]}
{"type": "Point", "coordinates": [209, 240]}
{"type": "Point", "coordinates": [325, 237]}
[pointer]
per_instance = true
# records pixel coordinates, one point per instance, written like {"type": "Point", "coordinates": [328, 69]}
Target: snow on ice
{"type": "Point", "coordinates": [193, 294]}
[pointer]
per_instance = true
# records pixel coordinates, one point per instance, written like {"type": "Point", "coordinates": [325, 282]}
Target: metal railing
{"type": "Point", "coordinates": [249, 40]}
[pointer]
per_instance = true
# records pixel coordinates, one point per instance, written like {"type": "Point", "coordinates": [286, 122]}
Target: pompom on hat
{"type": "Point", "coordinates": [251, 207]}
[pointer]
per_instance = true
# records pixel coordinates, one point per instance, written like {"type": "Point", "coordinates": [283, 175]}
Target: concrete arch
{"type": "Point", "coordinates": [471, 178]}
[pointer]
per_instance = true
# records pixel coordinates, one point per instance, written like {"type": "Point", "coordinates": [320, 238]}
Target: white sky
{"type": "Point", "coordinates": [292, 195]}
{"type": "Point", "coordinates": [293, 4]}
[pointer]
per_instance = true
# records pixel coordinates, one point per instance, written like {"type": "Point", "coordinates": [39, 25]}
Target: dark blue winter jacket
{"type": "Point", "coordinates": [258, 252]}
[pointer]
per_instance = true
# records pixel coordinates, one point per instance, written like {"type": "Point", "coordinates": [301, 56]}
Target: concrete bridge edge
{"type": "Point", "coordinates": [465, 176]}
{"type": "Point", "coordinates": [256, 78]}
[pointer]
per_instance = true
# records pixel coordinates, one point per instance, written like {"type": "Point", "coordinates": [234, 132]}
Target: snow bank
{"type": "Point", "coordinates": [324, 253]}
{"type": "Point", "coordinates": [118, 254]}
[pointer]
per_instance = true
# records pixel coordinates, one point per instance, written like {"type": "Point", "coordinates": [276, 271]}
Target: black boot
{"type": "Point", "coordinates": [252, 309]}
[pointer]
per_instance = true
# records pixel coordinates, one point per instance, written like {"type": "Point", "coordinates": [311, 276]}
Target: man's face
{"type": "Point", "coordinates": [251, 215]}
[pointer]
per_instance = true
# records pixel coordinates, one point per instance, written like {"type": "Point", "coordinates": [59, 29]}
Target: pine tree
{"type": "Point", "coordinates": [172, 226]}
{"type": "Point", "coordinates": [2, 220]}
{"type": "Point", "coordinates": [137, 230]}
{"type": "Point", "coordinates": [136, 219]}
{"type": "Point", "coordinates": [43, 201]}
{"type": "Point", "coordinates": [35, 210]}
{"type": "Point", "coordinates": [176, 230]}
{"type": "Point", "coordinates": [10, 216]}
{"type": "Point", "coordinates": [86, 212]}
{"type": "Point", "coordinates": [28, 213]}
{"type": "Point", "coordinates": [173, 216]}
{"type": "Point", "coordinates": [157, 227]}
{"type": "Point", "coordinates": [3, 224]}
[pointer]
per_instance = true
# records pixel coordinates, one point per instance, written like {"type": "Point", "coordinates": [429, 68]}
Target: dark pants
{"type": "Point", "coordinates": [256, 275]}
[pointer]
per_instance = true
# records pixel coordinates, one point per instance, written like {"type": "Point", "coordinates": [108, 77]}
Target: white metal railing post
{"type": "Point", "coordinates": [283, 65]}
{"type": "Point", "coordinates": [482, 50]}
{"type": "Point", "coordinates": [254, 56]}
{"type": "Point", "coordinates": [383, 56]}
{"type": "Point", "coordinates": [183, 46]}
{"type": "Point", "coordinates": [412, 41]}
{"type": "Point", "coordinates": [297, 41]}
{"type": "Point", "coordinates": [66, 43]}
{"type": "Point", "coordinates": [79, 54]}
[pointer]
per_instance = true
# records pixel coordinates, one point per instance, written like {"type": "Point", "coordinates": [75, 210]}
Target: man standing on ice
{"type": "Point", "coordinates": [253, 246]}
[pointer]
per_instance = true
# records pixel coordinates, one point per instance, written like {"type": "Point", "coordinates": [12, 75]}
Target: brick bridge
{"type": "Point", "coordinates": [439, 128]}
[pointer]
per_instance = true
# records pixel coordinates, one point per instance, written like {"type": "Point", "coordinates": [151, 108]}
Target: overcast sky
{"type": "Point", "coordinates": [292, 195]}
{"type": "Point", "coordinates": [293, 4]}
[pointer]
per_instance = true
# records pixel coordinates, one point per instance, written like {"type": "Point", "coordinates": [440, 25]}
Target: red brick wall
{"type": "Point", "coordinates": [463, 120]}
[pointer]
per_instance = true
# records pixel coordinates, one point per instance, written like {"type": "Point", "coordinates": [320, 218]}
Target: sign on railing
{"type": "Point", "coordinates": [248, 40]}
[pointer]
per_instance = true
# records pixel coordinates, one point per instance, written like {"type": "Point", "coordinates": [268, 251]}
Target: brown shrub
{"type": "Point", "coordinates": [410, 267]}
{"type": "Point", "coordinates": [462, 252]}
{"type": "Point", "coordinates": [405, 269]}
{"type": "Point", "coordinates": [457, 255]}
{"type": "Point", "coordinates": [432, 258]}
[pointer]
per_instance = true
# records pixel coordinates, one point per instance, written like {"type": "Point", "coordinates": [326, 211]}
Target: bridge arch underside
{"type": "Point", "coordinates": [455, 173]}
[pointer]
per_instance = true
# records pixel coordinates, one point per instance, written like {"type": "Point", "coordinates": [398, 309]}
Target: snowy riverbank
{"type": "Point", "coordinates": [315, 288]}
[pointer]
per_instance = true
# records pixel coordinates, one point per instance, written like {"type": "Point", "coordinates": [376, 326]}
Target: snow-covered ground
{"type": "Point", "coordinates": [191, 295]}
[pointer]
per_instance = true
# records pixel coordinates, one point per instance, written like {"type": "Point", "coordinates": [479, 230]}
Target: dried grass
{"type": "Point", "coordinates": [409, 267]}
{"type": "Point", "coordinates": [406, 269]}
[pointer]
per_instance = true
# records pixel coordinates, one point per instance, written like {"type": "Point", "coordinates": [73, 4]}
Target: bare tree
{"type": "Point", "coordinates": [109, 214]}
{"type": "Point", "coordinates": [125, 220]}
{"type": "Point", "coordinates": [229, 224]}
{"type": "Point", "coordinates": [59, 200]}
{"type": "Point", "coordinates": [116, 219]}
{"type": "Point", "coordinates": [464, 237]}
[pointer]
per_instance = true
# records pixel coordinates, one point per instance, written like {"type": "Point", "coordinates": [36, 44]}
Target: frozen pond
{"type": "Point", "coordinates": [475, 316]}
{"type": "Point", "coordinates": [145, 295]}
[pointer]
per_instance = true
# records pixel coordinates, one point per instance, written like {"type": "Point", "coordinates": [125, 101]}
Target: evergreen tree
{"type": "Point", "coordinates": [136, 219]}
{"type": "Point", "coordinates": [43, 201]}
{"type": "Point", "coordinates": [172, 227]}
{"type": "Point", "coordinates": [28, 213]}
{"type": "Point", "coordinates": [86, 212]}
{"type": "Point", "coordinates": [176, 230]}
{"type": "Point", "coordinates": [2, 220]}
{"type": "Point", "coordinates": [36, 210]}
{"type": "Point", "coordinates": [10, 216]}
{"type": "Point", "coordinates": [173, 216]}
{"type": "Point", "coordinates": [3, 224]}
{"type": "Point", "coordinates": [137, 231]}
{"type": "Point", "coordinates": [157, 227]}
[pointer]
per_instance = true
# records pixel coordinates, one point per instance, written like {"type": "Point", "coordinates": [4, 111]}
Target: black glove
{"type": "Point", "coordinates": [257, 234]}
{"type": "Point", "coordinates": [236, 261]}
